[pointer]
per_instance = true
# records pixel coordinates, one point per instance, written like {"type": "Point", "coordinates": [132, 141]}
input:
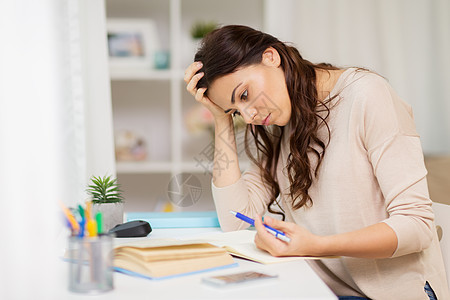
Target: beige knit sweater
{"type": "Point", "coordinates": [372, 172]}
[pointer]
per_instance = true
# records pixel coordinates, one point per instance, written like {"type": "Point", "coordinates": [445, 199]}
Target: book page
{"type": "Point", "coordinates": [241, 243]}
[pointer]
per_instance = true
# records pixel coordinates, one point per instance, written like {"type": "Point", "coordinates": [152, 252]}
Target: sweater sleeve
{"type": "Point", "coordinates": [395, 153]}
{"type": "Point", "coordinates": [248, 195]}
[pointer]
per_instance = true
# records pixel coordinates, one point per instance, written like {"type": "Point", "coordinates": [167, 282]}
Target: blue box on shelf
{"type": "Point", "coordinates": [186, 219]}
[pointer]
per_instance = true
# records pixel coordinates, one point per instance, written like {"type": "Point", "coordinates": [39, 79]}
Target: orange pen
{"type": "Point", "coordinates": [70, 218]}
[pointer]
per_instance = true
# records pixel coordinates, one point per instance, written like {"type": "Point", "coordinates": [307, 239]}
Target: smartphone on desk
{"type": "Point", "coordinates": [237, 278]}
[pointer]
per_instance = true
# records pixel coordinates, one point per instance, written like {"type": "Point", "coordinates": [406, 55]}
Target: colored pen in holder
{"type": "Point", "coordinates": [90, 268]}
{"type": "Point", "coordinates": [89, 252]}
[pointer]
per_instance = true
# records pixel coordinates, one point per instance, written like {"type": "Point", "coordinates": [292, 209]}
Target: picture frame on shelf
{"type": "Point", "coordinates": [132, 43]}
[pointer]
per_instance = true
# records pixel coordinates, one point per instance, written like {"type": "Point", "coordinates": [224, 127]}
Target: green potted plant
{"type": "Point", "coordinates": [106, 198]}
{"type": "Point", "coordinates": [200, 28]}
{"type": "Point", "coordinates": [198, 31]}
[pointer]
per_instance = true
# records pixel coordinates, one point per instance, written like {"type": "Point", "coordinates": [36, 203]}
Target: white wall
{"type": "Point", "coordinates": [406, 41]}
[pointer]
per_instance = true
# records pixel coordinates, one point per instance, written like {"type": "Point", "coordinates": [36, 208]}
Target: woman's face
{"type": "Point", "coordinates": [257, 92]}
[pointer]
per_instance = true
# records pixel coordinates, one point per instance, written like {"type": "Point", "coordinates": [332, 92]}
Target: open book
{"type": "Point", "coordinates": [163, 258]}
{"type": "Point", "coordinates": [241, 244]}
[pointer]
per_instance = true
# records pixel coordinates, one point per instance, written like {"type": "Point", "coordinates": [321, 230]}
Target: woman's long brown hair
{"type": "Point", "coordinates": [228, 48]}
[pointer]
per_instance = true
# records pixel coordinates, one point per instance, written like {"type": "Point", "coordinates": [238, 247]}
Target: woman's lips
{"type": "Point", "coordinates": [266, 120]}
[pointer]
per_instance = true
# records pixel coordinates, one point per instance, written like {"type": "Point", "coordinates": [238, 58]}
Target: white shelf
{"type": "Point", "coordinates": [143, 167]}
{"type": "Point", "coordinates": [193, 167]}
{"type": "Point", "coordinates": [150, 167]}
{"type": "Point", "coordinates": [145, 74]}
{"type": "Point", "coordinates": [152, 102]}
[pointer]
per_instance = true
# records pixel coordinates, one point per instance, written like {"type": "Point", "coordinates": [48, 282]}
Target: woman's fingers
{"type": "Point", "coordinates": [191, 70]}
{"type": "Point", "coordinates": [278, 224]}
{"type": "Point", "coordinates": [261, 235]}
{"type": "Point", "coordinates": [270, 243]}
{"type": "Point", "coordinates": [191, 78]}
{"type": "Point", "coordinates": [199, 95]}
{"type": "Point", "coordinates": [192, 85]}
{"type": "Point", "coordinates": [260, 227]}
{"type": "Point", "coordinates": [266, 241]}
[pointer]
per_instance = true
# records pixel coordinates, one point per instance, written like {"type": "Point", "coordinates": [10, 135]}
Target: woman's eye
{"type": "Point", "coordinates": [244, 95]}
{"type": "Point", "coordinates": [236, 113]}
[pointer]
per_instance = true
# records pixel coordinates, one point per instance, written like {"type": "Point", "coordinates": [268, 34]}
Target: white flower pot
{"type": "Point", "coordinates": [112, 214]}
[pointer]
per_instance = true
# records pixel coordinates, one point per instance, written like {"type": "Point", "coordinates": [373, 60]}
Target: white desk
{"type": "Point", "coordinates": [296, 280]}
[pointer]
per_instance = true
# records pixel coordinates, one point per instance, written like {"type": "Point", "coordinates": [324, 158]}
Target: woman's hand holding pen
{"type": "Point", "coordinates": [303, 242]}
{"type": "Point", "coordinates": [191, 78]}
{"type": "Point", "coordinates": [375, 241]}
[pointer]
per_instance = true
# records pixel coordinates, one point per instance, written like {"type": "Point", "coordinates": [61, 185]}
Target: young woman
{"type": "Point", "coordinates": [336, 151]}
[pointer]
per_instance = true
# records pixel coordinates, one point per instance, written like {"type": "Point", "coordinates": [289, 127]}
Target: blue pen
{"type": "Point", "coordinates": [278, 234]}
{"type": "Point", "coordinates": [82, 223]}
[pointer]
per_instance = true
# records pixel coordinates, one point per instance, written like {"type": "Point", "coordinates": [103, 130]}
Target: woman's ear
{"type": "Point", "coordinates": [271, 57]}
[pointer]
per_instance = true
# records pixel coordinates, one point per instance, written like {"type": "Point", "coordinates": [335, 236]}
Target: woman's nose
{"type": "Point", "coordinates": [248, 115]}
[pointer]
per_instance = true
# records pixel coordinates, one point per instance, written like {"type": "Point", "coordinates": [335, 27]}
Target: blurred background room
{"type": "Point", "coordinates": [407, 42]}
{"type": "Point", "coordinates": [95, 87]}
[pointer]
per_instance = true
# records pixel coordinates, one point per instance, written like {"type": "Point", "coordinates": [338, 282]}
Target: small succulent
{"type": "Point", "coordinates": [200, 29]}
{"type": "Point", "coordinates": [104, 190]}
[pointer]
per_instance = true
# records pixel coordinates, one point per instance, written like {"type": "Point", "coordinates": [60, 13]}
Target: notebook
{"type": "Point", "coordinates": [165, 258]}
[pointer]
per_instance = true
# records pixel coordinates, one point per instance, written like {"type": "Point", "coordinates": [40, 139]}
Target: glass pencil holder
{"type": "Point", "coordinates": [91, 268]}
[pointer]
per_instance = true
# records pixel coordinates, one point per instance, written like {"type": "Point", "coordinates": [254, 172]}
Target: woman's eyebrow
{"type": "Point", "coordinates": [232, 94]}
{"type": "Point", "coordinates": [232, 97]}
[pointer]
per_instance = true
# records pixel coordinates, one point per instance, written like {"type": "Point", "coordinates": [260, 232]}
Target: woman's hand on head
{"type": "Point", "coordinates": [192, 79]}
{"type": "Point", "coordinates": [303, 242]}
